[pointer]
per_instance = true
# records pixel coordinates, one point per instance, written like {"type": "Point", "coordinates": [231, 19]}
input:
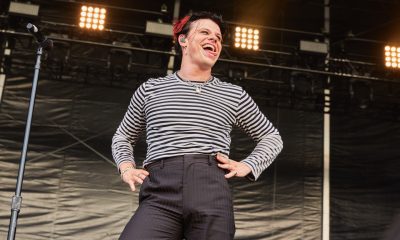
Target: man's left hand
{"type": "Point", "coordinates": [235, 168]}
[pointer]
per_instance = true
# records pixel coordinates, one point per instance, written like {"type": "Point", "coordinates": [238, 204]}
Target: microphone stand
{"type": "Point", "coordinates": [17, 199]}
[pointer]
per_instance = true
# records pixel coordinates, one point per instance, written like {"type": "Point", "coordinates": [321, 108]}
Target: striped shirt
{"type": "Point", "coordinates": [179, 120]}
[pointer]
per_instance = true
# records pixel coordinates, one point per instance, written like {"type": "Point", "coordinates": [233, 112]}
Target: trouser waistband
{"type": "Point", "coordinates": [160, 163]}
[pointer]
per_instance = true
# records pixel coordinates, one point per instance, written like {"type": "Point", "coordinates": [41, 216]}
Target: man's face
{"type": "Point", "coordinates": [203, 43]}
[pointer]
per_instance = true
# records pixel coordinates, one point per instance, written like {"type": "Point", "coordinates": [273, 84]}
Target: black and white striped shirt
{"type": "Point", "coordinates": [178, 120]}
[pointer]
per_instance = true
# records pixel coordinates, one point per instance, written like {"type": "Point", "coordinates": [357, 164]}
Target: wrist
{"type": "Point", "coordinates": [246, 168]}
{"type": "Point", "coordinates": [122, 166]}
{"type": "Point", "coordinates": [125, 170]}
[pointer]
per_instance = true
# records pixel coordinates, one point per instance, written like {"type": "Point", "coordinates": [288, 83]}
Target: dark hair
{"type": "Point", "coordinates": [183, 25]}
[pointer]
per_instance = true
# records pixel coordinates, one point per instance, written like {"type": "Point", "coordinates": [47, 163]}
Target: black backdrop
{"type": "Point", "coordinates": [72, 190]}
{"type": "Point", "coordinates": [365, 175]}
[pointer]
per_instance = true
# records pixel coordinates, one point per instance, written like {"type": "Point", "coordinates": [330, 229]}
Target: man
{"type": "Point", "coordinates": [188, 117]}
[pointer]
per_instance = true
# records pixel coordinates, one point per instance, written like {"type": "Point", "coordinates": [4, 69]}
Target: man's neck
{"type": "Point", "coordinates": [194, 73]}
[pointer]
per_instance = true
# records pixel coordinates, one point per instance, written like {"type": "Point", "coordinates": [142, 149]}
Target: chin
{"type": "Point", "coordinates": [208, 64]}
{"type": "Point", "coordinates": [208, 60]}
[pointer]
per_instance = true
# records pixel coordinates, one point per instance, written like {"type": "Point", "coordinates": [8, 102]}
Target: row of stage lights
{"type": "Point", "coordinates": [94, 18]}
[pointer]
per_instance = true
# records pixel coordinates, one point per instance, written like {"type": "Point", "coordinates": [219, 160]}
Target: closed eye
{"type": "Point", "coordinates": [206, 32]}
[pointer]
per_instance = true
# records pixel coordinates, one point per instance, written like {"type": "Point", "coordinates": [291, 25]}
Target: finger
{"type": "Point", "coordinates": [146, 173]}
{"type": "Point", "coordinates": [141, 176]}
{"type": "Point", "coordinates": [138, 179]}
{"type": "Point", "coordinates": [132, 185]}
{"type": "Point", "coordinates": [222, 158]}
{"type": "Point", "coordinates": [225, 166]}
{"type": "Point", "coordinates": [222, 155]}
{"type": "Point", "coordinates": [231, 174]}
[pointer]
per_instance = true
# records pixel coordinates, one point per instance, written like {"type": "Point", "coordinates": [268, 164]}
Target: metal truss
{"type": "Point", "coordinates": [280, 76]}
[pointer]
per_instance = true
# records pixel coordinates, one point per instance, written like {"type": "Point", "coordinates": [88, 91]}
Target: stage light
{"type": "Point", "coordinates": [392, 57]}
{"type": "Point", "coordinates": [92, 18]}
{"type": "Point", "coordinates": [246, 38]}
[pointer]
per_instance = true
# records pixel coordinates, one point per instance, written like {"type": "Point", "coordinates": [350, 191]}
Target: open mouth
{"type": "Point", "coordinates": [211, 49]}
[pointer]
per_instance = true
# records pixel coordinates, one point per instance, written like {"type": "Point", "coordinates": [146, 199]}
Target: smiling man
{"type": "Point", "coordinates": [188, 117]}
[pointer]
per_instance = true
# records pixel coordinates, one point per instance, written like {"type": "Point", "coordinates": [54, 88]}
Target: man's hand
{"type": "Point", "coordinates": [131, 175]}
{"type": "Point", "coordinates": [235, 168]}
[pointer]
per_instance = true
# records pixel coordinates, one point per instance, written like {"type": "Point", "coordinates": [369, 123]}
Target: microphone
{"type": "Point", "coordinates": [35, 32]}
{"type": "Point", "coordinates": [42, 40]}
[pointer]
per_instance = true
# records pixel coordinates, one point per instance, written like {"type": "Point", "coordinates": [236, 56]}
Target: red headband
{"type": "Point", "coordinates": [178, 26]}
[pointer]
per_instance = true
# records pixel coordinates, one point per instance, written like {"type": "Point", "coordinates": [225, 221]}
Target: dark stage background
{"type": "Point", "coordinates": [72, 191]}
{"type": "Point", "coordinates": [365, 176]}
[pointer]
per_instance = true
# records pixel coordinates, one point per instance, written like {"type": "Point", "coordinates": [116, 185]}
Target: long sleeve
{"type": "Point", "coordinates": [128, 132]}
{"type": "Point", "coordinates": [255, 124]}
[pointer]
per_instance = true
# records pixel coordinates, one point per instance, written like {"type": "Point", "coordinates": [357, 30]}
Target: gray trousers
{"type": "Point", "coordinates": [183, 197]}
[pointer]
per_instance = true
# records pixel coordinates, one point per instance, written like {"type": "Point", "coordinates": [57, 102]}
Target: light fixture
{"type": "Point", "coordinates": [92, 17]}
{"type": "Point", "coordinates": [164, 8]}
{"type": "Point", "coordinates": [157, 28]}
{"type": "Point", "coordinates": [24, 9]}
{"type": "Point", "coordinates": [313, 46]}
{"type": "Point", "coordinates": [247, 38]}
{"type": "Point", "coordinates": [392, 56]}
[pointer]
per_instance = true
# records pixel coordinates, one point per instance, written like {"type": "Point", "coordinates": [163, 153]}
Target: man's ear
{"type": "Point", "coordinates": [182, 40]}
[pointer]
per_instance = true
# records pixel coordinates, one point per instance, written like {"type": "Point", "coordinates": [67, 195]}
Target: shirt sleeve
{"type": "Point", "coordinates": [261, 130]}
{"type": "Point", "coordinates": [129, 130]}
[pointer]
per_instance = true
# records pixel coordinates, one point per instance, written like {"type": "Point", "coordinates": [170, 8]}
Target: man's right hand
{"type": "Point", "coordinates": [132, 176]}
